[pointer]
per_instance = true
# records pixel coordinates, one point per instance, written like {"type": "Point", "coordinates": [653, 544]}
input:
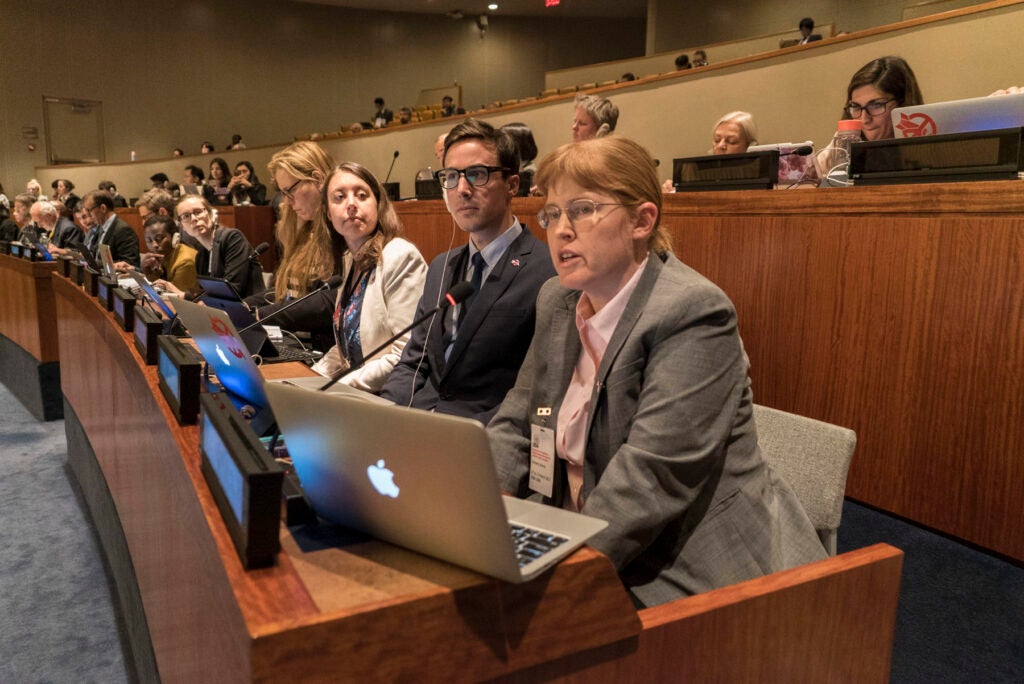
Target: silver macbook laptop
{"type": "Point", "coordinates": [959, 116]}
{"type": "Point", "coordinates": [421, 480]}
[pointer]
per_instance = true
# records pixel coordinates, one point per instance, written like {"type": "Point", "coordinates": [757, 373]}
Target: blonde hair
{"type": "Point", "coordinates": [307, 244]}
{"type": "Point", "coordinates": [745, 120]}
{"type": "Point", "coordinates": [615, 166]}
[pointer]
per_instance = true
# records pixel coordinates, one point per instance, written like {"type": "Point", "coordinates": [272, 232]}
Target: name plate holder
{"type": "Point", "coordinates": [745, 171]}
{"type": "Point", "coordinates": [124, 308]}
{"type": "Point", "coordinates": [148, 326]}
{"type": "Point", "coordinates": [179, 377]}
{"type": "Point", "coordinates": [91, 281]}
{"type": "Point", "coordinates": [105, 291]}
{"type": "Point", "coordinates": [244, 479]}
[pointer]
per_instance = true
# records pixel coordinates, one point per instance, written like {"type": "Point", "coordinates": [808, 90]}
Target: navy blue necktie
{"type": "Point", "coordinates": [478, 277]}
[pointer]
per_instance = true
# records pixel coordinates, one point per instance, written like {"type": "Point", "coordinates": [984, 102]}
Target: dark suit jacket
{"type": "Point", "coordinates": [233, 259]}
{"type": "Point", "coordinates": [493, 336]}
{"type": "Point", "coordinates": [9, 230]}
{"type": "Point", "coordinates": [671, 460]}
{"type": "Point", "coordinates": [123, 242]}
{"type": "Point", "coordinates": [66, 234]}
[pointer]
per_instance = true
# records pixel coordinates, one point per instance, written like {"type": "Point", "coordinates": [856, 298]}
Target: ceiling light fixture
{"type": "Point", "coordinates": [493, 6]}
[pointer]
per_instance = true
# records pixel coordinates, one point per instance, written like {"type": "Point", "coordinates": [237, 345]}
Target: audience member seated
{"type": "Point", "coordinates": [876, 89]}
{"type": "Point", "coordinates": [807, 34]}
{"type": "Point", "coordinates": [439, 149]}
{"type": "Point", "coordinates": [66, 195]}
{"type": "Point", "coordinates": [216, 189]}
{"type": "Point", "coordinates": [159, 180]}
{"type": "Point", "coordinates": [207, 148]}
{"type": "Point", "coordinates": [110, 230]}
{"type": "Point", "coordinates": [8, 226]}
{"type": "Point", "coordinates": [194, 179]}
{"type": "Point", "coordinates": [85, 223]}
{"type": "Point", "coordinates": [300, 171]}
{"type": "Point", "coordinates": [20, 216]}
{"type": "Point", "coordinates": [236, 143]}
{"type": "Point", "coordinates": [700, 58]}
{"type": "Point", "coordinates": [636, 388]}
{"type": "Point", "coordinates": [683, 62]}
{"type": "Point", "coordinates": [108, 186]}
{"type": "Point", "coordinates": [732, 134]}
{"type": "Point", "coordinates": [522, 136]}
{"type": "Point", "coordinates": [448, 107]}
{"type": "Point", "coordinates": [155, 202]}
{"type": "Point", "coordinates": [463, 360]}
{"type": "Point", "coordinates": [382, 116]}
{"type": "Point", "coordinates": [245, 187]}
{"type": "Point", "coordinates": [627, 77]}
{"type": "Point", "coordinates": [5, 204]}
{"type": "Point", "coordinates": [177, 152]}
{"type": "Point", "coordinates": [222, 252]}
{"type": "Point", "coordinates": [34, 188]}
{"type": "Point", "coordinates": [383, 278]}
{"type": "Point", "coordinates": [595, 117]}
{"type": "Point", "coordinates": [404, 115]}
{"type": "Point", "coordinates": [165, 260]}
{"type": "Point", "coordinates": [62, 231]}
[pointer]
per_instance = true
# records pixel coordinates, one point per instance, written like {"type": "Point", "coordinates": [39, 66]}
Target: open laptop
{"type": "Point", "coordinates": [421, 480]}
{"type": "Point", "coordinates": [220, 294]}
{"type": "Point", "coordinates": [959, 116]}
{"type": "Point", "coordinates": [171, 324]}
{"type": "Point", "coordinates": [225, 353]}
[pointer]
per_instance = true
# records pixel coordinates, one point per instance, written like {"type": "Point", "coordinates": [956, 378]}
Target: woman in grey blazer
{"type": "Point", "coordinates": [636, 384]}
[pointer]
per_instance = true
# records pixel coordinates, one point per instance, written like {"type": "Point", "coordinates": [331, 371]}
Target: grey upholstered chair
{"type": "Point", "coordinates": [813, 458]}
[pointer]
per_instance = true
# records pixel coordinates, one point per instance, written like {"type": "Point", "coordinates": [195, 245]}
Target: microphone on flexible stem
{"type": "Point", "coordinates": [393, 160]}
{"type": "Point", "coordinates": [802, 151]}
{"type": "Point", "coordinates": [261, 248]}
{"type": "Point", "coordinates": [454, 296]}
{"type": "Point", "coordinates": [333, 282]}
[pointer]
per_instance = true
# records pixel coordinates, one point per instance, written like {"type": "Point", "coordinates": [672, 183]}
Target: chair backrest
{"type": "Point", "coordinates": [813, 458]}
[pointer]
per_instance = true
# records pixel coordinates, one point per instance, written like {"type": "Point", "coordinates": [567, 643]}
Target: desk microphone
{"type": "Point", "coordinates": [393, 160]}
{"type": "Point", "coordinates": [333, 282]}
{"type": "Point", "coordinates": [261, 248]}
{"type": "Point", "coordinates": [802, 151]}
{"type": "Point", "coordinates": [454, 296]}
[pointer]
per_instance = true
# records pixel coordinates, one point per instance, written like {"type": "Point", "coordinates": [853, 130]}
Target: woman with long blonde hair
{"type": "Point", "coordinates": [300, 171]}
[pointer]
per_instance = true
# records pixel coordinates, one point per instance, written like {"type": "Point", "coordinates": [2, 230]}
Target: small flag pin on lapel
{"type": "Point", "coordinates": [515, 262]}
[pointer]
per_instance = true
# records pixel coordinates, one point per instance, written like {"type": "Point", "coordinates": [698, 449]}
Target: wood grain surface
{"type": "Point", "coordinates": [27, 314]}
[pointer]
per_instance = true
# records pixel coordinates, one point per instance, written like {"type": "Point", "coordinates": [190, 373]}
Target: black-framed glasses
{"type": "Point", "coordinates": [477, 175]}
{"type": "Point", "coordinates": [873, 108]}
{"type": "Point", "coordinates": [578, 212]}
{"type": "Point", "coordinates": [188, 216]}
{"type": "Point", "coordinates": [290, 190]}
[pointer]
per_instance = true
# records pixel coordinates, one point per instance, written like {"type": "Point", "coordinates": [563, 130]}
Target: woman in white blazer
{"type": "Point", "coordinates": [383, 278]}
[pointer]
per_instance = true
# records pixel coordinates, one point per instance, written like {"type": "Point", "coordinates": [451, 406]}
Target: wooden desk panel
{"type": "Point", "coordinates": [895, 311]}
{"type": "Point", "coordinates": [27, 315]}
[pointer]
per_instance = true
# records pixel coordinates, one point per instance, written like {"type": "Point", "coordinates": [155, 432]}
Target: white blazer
{"type": "Point", "coordinates": [389, 305]}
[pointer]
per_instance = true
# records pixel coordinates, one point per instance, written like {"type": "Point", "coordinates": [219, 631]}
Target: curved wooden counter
{"type": "Point", "coordinates": [342, 608]}
{"type": "Point", "coordinates": [28, 336]}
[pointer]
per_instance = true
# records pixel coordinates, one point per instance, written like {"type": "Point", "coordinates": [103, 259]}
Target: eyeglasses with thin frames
{"type": "Point", "coordinates": [873, 108]}
{"type": "Point", "coordinates": [188, 216]}
{"type": "Point", "coordinates": [578, 212]}
{"type": "Point", "coordinates": [477, 175]}
{"type": "Point", "coordinates": [289, 192]}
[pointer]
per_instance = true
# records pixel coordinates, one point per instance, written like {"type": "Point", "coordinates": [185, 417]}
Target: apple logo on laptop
{"type": "Point", "coordinates": [223, 356]}
{"type": "Point", "coordinates": [382, 479]}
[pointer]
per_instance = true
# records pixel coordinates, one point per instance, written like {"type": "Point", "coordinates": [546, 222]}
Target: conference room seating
{"type": "Point", "coordinates": [813, 457]}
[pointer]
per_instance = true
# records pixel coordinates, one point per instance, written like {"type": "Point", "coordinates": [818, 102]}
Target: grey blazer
{"type": "Point", "coordinates": [672, 461]}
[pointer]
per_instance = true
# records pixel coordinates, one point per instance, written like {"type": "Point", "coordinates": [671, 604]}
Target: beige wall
{"type": "Point", "coordinates": [793, 96]}
{"type": "Point", "coordinates": [681, 24]}
{"type": "Point", "coordinates": [199, 70]}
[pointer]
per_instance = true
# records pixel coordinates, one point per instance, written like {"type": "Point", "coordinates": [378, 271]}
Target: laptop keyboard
{"type": "Point", "coordinates": [286, 353]}
{"type": "Point", "coordinates": [532, 544]}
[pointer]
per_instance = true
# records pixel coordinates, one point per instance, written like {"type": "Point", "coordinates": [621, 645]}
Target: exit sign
{"type": "Point", "coordinates": [551, 3]}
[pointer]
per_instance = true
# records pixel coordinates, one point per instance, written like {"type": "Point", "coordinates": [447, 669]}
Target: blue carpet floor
{"type": "Point", "coordinates": [57, 620]}
{"type": "Point", "coordinates": [961, 612]}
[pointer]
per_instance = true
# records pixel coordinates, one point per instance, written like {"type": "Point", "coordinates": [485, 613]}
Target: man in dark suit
{"type": "Point", "coordinates": [463, 360]}
{"type": "Point", "coordinates": [807, 34]}
{"type": "Point", "coordinates": [110, 230]}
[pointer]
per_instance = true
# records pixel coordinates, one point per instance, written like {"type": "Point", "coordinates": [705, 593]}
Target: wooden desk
{"type": "Point", "coordinates": [29, 358]}
{"type": "Point", "coordinates": [895, 311]}
{"type": "Point", "coordinates": [257, 223]}
{"type": "Point", "coordinates": [340, 608]}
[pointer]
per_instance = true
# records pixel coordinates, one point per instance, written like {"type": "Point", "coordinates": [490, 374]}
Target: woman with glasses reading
{"type": "Point", "coordinates": [633, 404]}
{"type": "Point", "coordinates": [383, 279]}
{"type": "Point", "coordinates": [221, 252]}
{"type": "Point", "coordinates": [299, 172]}
{"type": "Point", "coordinates": [876, 89]}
